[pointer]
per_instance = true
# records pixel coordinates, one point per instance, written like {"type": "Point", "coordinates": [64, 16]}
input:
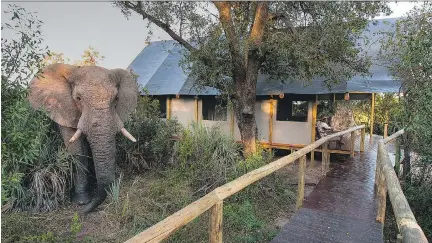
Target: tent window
{"type": "Point", "coordinates": [214, 109]}
{"type": "Point", "coordinates": [291, 110]}
{"type": "Point", "coordinates": [162, 107]}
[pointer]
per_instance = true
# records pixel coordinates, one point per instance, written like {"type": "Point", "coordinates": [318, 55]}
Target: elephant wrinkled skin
{"type": "Point", "coordinates": [89, 104]}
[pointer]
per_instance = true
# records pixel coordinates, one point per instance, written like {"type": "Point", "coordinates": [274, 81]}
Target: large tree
{"type": "Point", "coordinates": [230, 43]}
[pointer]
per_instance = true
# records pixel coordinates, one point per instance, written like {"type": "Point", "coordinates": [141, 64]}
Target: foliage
{"type": "Point", "coordinates": [21, 54]}
{"type": "Point", "coordinates": [55, 57]}
{"type": "Point", "coordinates": [388, 108]}
{"type": "Point", "coordinates": [419, 195]}
{"type": "Point", "coordinates": [230, 43]}
{"type": "Point", "coordinates": [408, 50]}
{"type": "Point", "coordinates": [36, 170]}
{"type": "Point", "coordinates": [323, 34]}
{"type": "Point", "coordinates": [409, 53]}
{"type": "Point", "coordinates": [90, 57]}
{"type": "Point", "coordinates": [155, 145]}
{"type": "Point", "coordinates": [206, 154]}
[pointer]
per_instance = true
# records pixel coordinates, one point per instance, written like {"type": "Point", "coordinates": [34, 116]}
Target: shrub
{"type": "Point", "coordinates": [154, 146]}
{"type": "Point", "coordinates": [206, 155]}
{"type": "Point", "coordinates": [419, 196]}
{"type": "Point", "coordinates": [36, 170]}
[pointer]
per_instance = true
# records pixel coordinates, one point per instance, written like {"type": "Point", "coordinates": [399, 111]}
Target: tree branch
{"type": "Point", "coordinates": [138, 9]}
{"type": "Point", "coordinates": [259, 25]}
{"type": "Point", "coordinates": [224, 9]}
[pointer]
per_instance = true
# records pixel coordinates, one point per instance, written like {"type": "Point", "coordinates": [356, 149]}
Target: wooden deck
{"type": "Point", "coordinates": [342, 207]}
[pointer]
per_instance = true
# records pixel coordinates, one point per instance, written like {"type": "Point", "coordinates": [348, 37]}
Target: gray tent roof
{"type": "Point", "coordinates": [159, 72]}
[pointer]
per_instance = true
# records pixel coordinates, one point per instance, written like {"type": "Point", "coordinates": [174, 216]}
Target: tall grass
{"type": "Point", "coordinates": [36, 169]}
{"type": "Point", "coordinates": [206, 155]}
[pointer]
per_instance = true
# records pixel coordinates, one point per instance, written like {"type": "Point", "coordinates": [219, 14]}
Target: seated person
{"type": "Point", "coordinates": [324, 129]}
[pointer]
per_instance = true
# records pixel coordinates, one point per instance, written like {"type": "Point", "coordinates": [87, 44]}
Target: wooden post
{"type": "Point", "coordinates": [362, 139]}
{"type": "Point", "coordinates": [325, 159]}
{"type": "Point", "coordinates": [301, 181]}
{"type": "Point", "coordinates": [377, 174]}
{"type": "Point", "coordinates": [196, 110]}
{"type": "Point", "coordinates": [168, 108]}
{"type": "Point", "coordinates": [334, 98]}
{"type": "Point", "coordinates": [352, 144]}
{"type": "Point", "coordinates": [372, 114]}
{"type": "Point", "coordinates": [314, 117]}
{"type": "Point", "coordinates": [385, 130]}
{"type": "Point", "coordinates": [216, 215]}
{"type": "Point", "coordinates": [270, 137]}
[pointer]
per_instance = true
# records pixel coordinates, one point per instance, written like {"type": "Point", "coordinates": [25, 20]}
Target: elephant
{"type": "Point", "coordinates": [90, 105]}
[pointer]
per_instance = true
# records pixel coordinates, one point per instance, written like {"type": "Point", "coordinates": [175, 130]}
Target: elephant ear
{"type": "Point", "coordinates": [127, 92]}
{"type": "Point", "coordinates": [51, 91]}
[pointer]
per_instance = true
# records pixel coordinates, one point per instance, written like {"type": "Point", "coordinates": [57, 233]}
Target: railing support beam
{"type": "Point", "coordinates": [301, 181]}
{"type": "Point", "coordinates": [325, 163]}
{"type": "Point", "coordinates": [216, 216]}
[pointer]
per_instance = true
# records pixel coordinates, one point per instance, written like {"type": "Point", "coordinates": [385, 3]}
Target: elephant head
{"type": "Point", "coordinates": [93, 100]}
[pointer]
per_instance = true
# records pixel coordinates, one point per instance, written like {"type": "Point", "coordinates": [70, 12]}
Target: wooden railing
{"type": "Point", "coordinates": [386, 180]}
{"type": "Point", "coordinates": [213, 201]}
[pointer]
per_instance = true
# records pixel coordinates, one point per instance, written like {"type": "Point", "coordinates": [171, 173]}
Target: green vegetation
{"type": "Point", "coordinates": [36, 170]}
{"type": "Point", "coordinates": [409, 51]}
{"type": "Point", "coordinates": [156, 146]}
{"type": "Point", "coordinates": [388, 108]}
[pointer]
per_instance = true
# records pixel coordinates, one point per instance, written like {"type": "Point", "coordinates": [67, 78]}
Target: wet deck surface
{"type": "Point", "coordinates": [342, 207]}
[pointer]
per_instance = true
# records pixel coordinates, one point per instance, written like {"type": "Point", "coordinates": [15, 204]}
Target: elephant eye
{"type": "Point", "coordinates": [78, 98]}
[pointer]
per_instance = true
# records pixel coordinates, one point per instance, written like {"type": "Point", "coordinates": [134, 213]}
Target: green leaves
{"type": "Point", "coordinates": [36, 170]}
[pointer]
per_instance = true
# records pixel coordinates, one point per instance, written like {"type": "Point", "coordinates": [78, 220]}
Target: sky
{"type": "Point", "coordinates": [71, 27]}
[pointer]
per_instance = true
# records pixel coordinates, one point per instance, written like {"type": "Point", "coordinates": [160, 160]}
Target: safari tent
{"type": "Point", "coordinates": [285, 112]}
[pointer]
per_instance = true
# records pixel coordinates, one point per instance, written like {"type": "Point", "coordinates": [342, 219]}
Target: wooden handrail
{"type": "Point", "coordinates": [169, 225]}
{"type": "Point", "coordinates": [393, 136]}
{"type": "Point", "coordinates": [387, 181]}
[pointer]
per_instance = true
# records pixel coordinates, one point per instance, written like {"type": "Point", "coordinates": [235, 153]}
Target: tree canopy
{"type": "Point", "coordinates": [90, 57]}
{"type": "Point", "coordinates": [408, 51]}
{"type": "Point", "coordinates": [230, 43]}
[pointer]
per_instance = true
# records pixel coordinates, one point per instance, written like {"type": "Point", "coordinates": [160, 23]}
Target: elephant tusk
{"type": "Point", "coordinates": [75, 136]}
{"type": "Point", "coordinates": [128, 135]}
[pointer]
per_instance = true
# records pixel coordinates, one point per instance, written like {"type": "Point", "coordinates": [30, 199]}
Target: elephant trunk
{"type": "Point", "coordinates": [101, 133]}
{"type": "Point", "coordinates": [104, 162]}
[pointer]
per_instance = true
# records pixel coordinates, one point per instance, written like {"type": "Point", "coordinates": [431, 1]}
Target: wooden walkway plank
{"type": "Point", "coordinates": [342, 207]}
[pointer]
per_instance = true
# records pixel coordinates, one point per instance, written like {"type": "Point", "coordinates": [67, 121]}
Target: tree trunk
{"type": "Point", "coordinates": [244, 109]}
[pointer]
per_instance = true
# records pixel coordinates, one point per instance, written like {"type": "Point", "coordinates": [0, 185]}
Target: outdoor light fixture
{"type": "Point", "coordinates": [346, 96]}
{"type": "Point", "coordinates": [281, 95]}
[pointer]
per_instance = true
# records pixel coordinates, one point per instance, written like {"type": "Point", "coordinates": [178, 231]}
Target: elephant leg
{"type": "Point", "coordinates": [80, 151]}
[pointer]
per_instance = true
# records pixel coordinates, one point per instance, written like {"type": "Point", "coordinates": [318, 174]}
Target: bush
{"type": "Point", "coordinates": [36, 170]}
{"type": "Point", "coordinates": [206, 155]}
{"type": "Point", "coordinates": [419, 196]}
{"type": "Point", "coordinates": [155, 146]}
